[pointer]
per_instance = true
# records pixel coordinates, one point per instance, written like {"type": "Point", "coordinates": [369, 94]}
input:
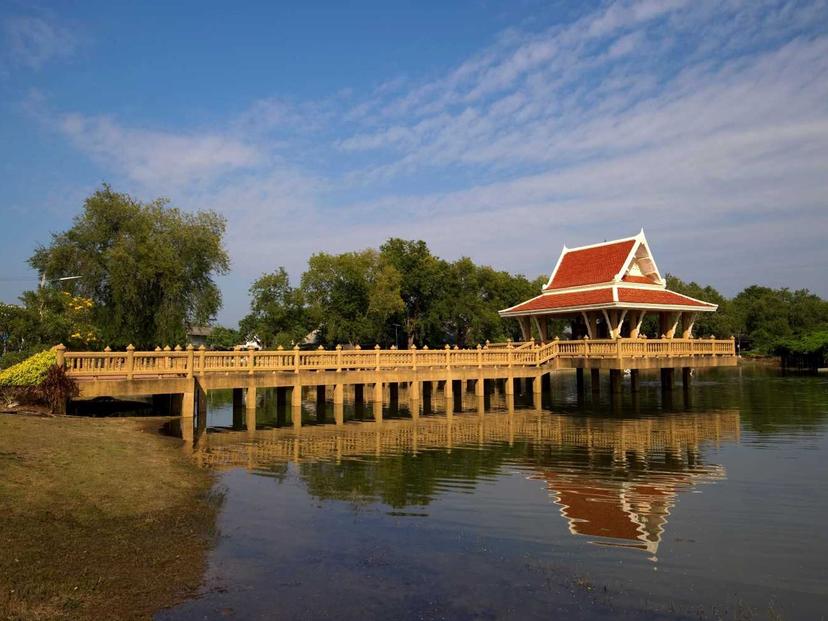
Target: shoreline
{"type": "Point", "coordinates": [102, 518]}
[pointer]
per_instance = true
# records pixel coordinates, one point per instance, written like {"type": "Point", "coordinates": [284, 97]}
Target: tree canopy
{"type": "Point", "coordinates": [147, 268]}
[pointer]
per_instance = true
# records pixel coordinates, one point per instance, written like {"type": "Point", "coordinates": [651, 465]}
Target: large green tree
{"type": "Point", "coordinates": [147, 267]}
{"type": "Point", "coordinates": [351, 297]}
{"type": "Point", "coordinates": [277, 311]}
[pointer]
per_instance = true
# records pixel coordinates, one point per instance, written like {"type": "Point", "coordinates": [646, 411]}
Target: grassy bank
{"type": "Point", "coordinates": [99, 518]}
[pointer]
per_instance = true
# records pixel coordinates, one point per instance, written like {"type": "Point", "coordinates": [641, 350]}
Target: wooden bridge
{"type": "Point", "coordinates": [188, 373]}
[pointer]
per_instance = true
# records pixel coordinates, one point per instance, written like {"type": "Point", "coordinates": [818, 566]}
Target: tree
{"type": "Point", "coordinates": [277, 313]}
{"type": "Point", "coordinates": [148, 268]}
{"type": "Point", "coordinates": [224, 338]}
{"type": "Point", "coordinates": [720, 324]}
{"type": "Point", "coordinates": [421, 282]}
{"type": "Point", "coordinates": [351, 296]}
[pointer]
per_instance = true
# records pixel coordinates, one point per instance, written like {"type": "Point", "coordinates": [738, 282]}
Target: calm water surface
{"type": "Point", "coordinates": [711, 504]}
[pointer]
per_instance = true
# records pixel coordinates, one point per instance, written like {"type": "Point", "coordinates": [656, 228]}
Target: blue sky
{"type": "Point", "coordinates": [497, 130]}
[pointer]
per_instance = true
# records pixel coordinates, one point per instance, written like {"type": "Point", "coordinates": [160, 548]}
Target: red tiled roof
{"type": "Point", "coordinates": [564, 300]}
{"type": "Point", "coordinates": [641, 279]}
{"type": "Point", "coordinates": [594, 265]}
{"type": "Point", "coordinates": [656, 296]}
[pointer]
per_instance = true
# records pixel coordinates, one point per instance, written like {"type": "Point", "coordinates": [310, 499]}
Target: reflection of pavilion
{"type": "Point", "coordinates": [623, 513]}
{"type": "Point", "coordinates": [614, 480]}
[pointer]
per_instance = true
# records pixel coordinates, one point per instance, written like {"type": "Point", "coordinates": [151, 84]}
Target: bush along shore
{"type": "Point", "coordinates": [102, 518]}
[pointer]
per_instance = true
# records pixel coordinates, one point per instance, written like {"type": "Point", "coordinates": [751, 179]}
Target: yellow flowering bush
{"type": "Point", "coordinates": [31, 372]}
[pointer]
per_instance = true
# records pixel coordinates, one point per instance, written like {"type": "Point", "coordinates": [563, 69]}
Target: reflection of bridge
{"type": "Point", "coordinates": [188, 373]}
{"type": "Point", "coordinates": [614, 480]}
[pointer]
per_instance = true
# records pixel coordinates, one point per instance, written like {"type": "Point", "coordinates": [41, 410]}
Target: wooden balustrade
{"type": "Point", "coordinates": [188, 362]}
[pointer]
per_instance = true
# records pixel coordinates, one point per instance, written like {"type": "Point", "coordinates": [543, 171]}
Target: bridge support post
{"type": "Point", "coordinates": [296, 405]}
{"type": "Point", "coordinates": [414, 400]}
{"type": "Point", "coordinates": [595, 380]}
{"type": "Point", "coordinates": [615, 381]}
{"type": "Point", "coordinates": [479, 387]}
{"type": "Point", "coordinates": [238, 408]}
{"type": "Point", "coordinates": [509, 385]}
{"type": "Point", "coordinates": [377, 402]}
{"type": "Point", "coordinates": [394, 397]}
{"type": "Point", "coordinates": [321, 402]}
{"type": "Point", "coordinates": [188, 400]}
{"type": "Point", "coordinates": [339, 411]}
{"type": "Point", "coordinates": [667, 379]}
{"type": "Point", "coordinates": [250, 407]}
{"type": "Point", "coordinates": [281, 405]}
{"type": "Point", "coordinates": [339, 393]}
{"type": "Point", "coordinates": [634, 380]}
{"type": "Point", "coordinates": [686, 375]}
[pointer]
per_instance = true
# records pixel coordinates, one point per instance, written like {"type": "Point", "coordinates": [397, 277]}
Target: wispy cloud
{"type": "Point", "coordinates": [33, 40]}
{"type": "Point", "coordinates": [159, 159]}
{"type": "Point", "coordinates": [703, 121]}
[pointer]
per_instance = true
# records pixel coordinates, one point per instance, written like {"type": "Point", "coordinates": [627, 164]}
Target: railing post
{"type": "Point", "coordinates": [377, 350]}
{"type": "Point", "coordinates": [296, 359]}
{"type": "Point", "coordinates": [413, 356]}
{"type": "Point", "coordinates": [190, 359]}
{"type": "Point", "coordinates": [509, 353]}
{"type": "Point", "coordinates": [448, 356]}
{"type": "Point", "coordinates": [60, 355]}
{"type": "Point", "coordinates": [202, 354]}
{"type": "Point", "coordinates": [338, 358]}
{"type": "Point", "coordinates": [250, 360]}
{"type": "Point", "coordinates": [130, 370]}
{"type": "Point", "coordinates": [479, 356]}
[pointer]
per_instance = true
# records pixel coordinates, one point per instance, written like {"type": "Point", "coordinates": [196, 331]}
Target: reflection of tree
{"type": "Point", "coordinates": [403, 480]}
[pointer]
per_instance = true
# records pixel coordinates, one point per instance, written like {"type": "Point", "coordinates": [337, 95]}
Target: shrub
{"type": "Point", "coordinates": [38, 380]}
{"type": "Point", "coordinates": [31, 372]}
{"type": "Point", "coordinates": [57, 388]}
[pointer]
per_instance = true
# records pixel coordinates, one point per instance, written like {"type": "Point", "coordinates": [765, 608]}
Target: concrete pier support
{"type": "Point", "coordinates": [480, 387]}
{"type": "Point", "coordinates": [281, 405]}
{"type": "Point", "coordinates": [686, 377]}
{"type": "Point", "coordinates": [339, 393]}
{"type": "Point", "coordinates": [339, 412]}
{"type": "Point", "coordinates": [188, 401]}
{"type": "Point", "coordinates": [394, 397]}
{"type": "Point", "coordinates": [615, 381]}
{"type": "Point", "coordinates": [238, 408]}
{"type": "Point", "coordinates": [667, 379]}
{"type": "Point", "coordinates": [509, 386]}
{"type": "Point", "coordinates": [250, 407]}
{"type": "Point", "coordinates": [296, 405]}
{"type": "Point", "coordinates": [634, 380]}
{"type": "Point", "coordinates": [377, 402]}
{"type": "Point", "coordinates": [428, 389]}
{"type": "Point", "coordinates": [413, 392]}
{"type": "Point", "coordinates": [595, 380]}
{"type": "Point", "coordinates": [201, 405]}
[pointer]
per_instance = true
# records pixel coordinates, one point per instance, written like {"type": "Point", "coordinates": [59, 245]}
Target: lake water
{"type": "Point", "coordinates": [711, 503]}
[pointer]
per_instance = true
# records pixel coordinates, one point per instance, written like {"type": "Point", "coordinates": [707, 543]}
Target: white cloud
{"type": "Point", "coordinates": [158, 159]}
{"type": "Point", "coordinates": [32, 41]}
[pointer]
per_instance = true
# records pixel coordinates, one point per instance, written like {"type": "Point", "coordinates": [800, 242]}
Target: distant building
{"type": "Point", "coordinates": [606, 290]}
{"type": "Point", "coordinates": [197, 335]}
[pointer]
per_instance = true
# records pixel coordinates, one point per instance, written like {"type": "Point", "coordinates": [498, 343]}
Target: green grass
{"type": "Point", "coordinates": [98, 519]}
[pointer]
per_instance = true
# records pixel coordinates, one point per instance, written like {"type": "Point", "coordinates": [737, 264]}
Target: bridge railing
{"type": "Point", "coordinates": [180, 362]}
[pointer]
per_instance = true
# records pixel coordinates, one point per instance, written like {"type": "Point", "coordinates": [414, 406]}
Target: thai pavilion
{"type": "Point", "coordinates": [606, 290]}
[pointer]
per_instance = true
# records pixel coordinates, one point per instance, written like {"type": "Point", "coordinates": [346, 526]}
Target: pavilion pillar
{"type": "Point", "coordinates": [525, 328]}
{"type": "Point", "coordinates": [687, 325]}
{"type": "Point", "coordinates": [636, 320]}
{"type": "Point", "coordinates": [541, 325]}
{"type": "Point", "coordinates": [668, 323]}
{"type": "Point", "coordinates": [591, 321]}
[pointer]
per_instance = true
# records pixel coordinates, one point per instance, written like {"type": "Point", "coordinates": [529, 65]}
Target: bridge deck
{"type": "Point", "coordinates": [170, 371]}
